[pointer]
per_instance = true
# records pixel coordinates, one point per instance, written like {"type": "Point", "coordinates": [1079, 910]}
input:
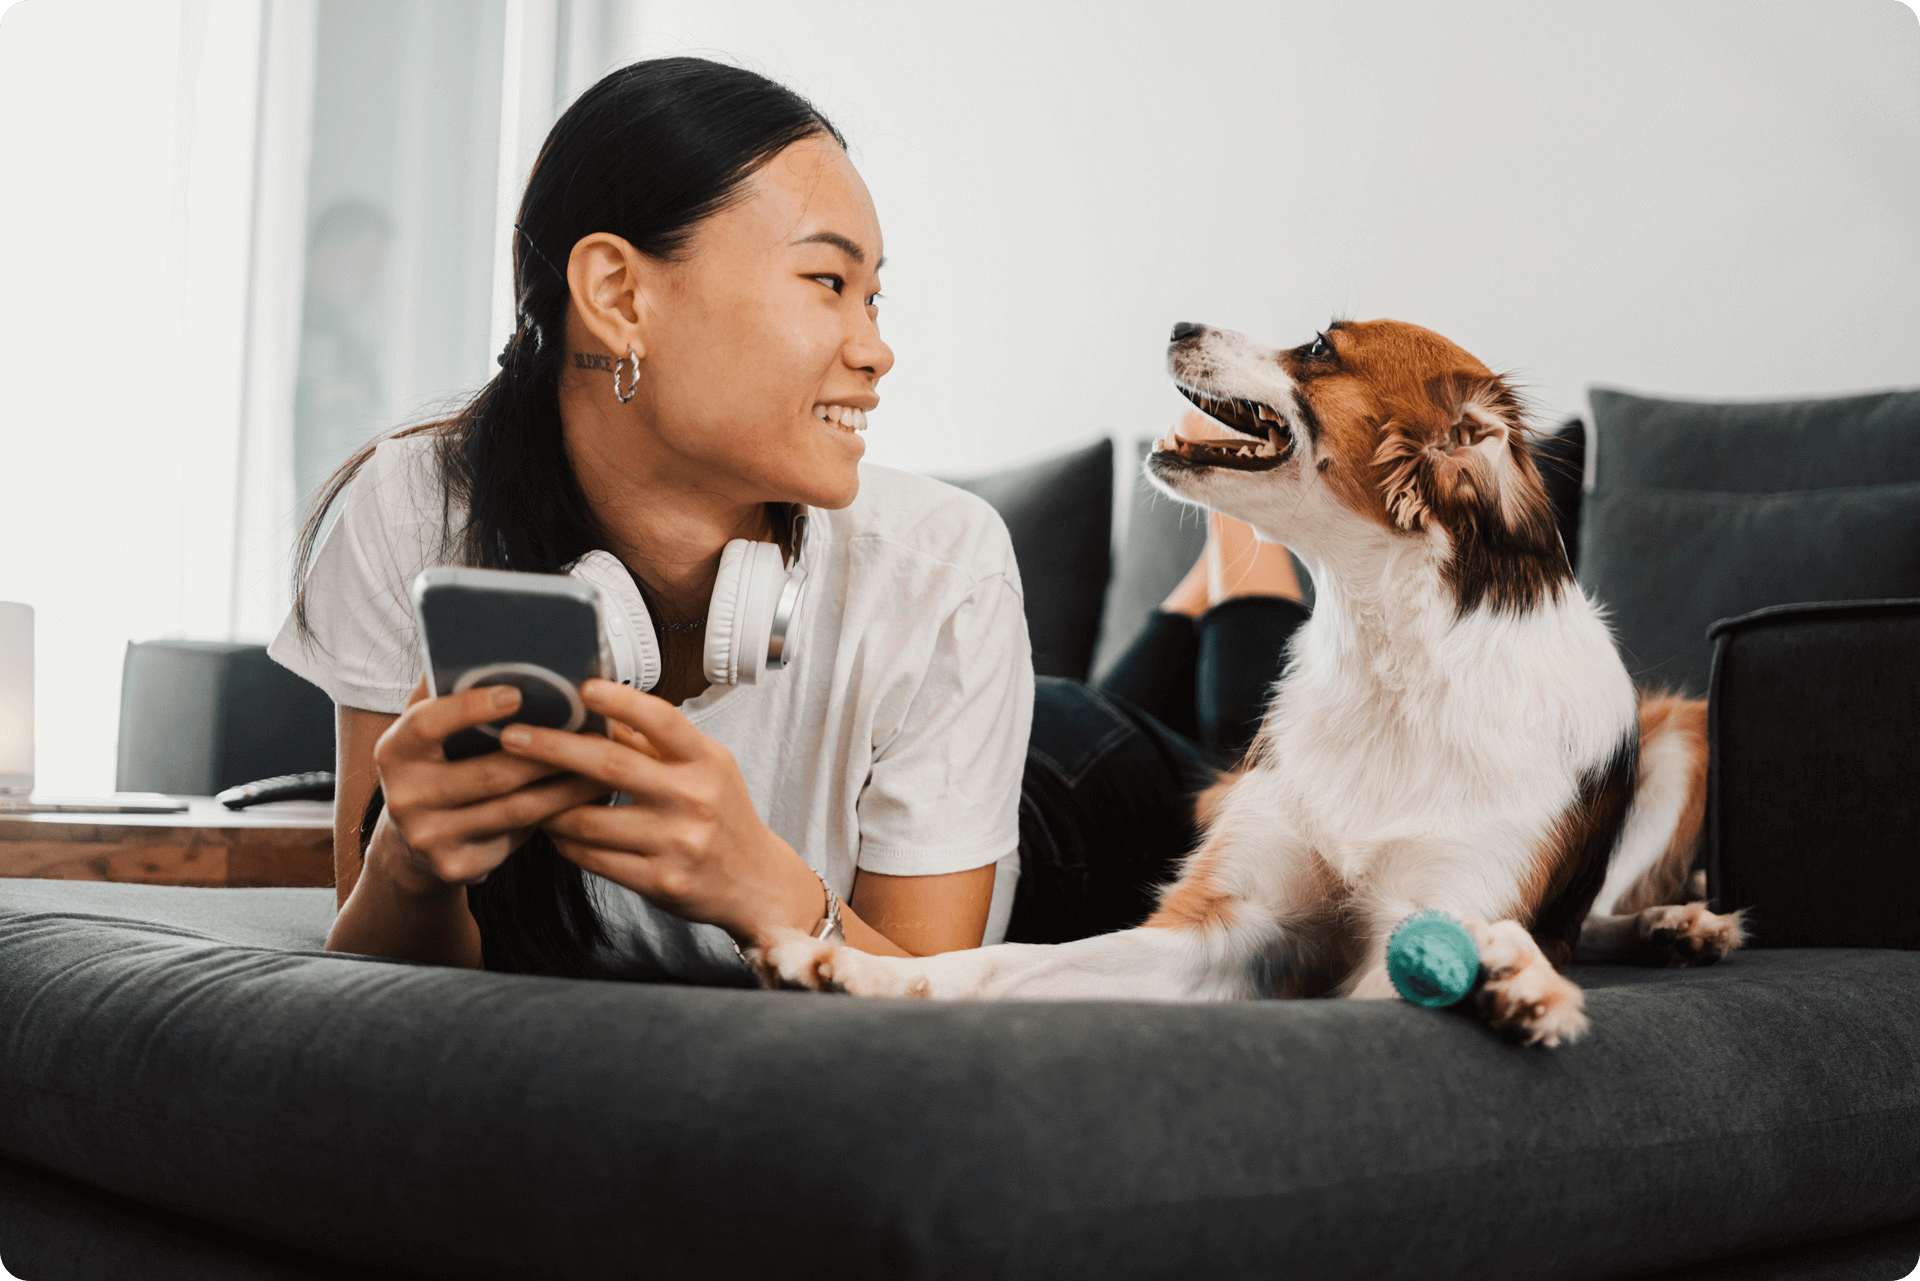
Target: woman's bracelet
{"type": "Point", "coordinates": [829, 927]}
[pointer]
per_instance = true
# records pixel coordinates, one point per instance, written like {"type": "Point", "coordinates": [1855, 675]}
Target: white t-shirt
{"type": "Point", "coordinates": [894, 741]}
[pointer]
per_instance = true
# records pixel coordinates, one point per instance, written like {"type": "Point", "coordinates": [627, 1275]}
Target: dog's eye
{"type": "Point", "coordinates": [1320, 347]}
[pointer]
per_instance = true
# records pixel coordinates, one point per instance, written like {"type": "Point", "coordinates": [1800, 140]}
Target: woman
{"type": "Point", "coordinates": [697, 273]}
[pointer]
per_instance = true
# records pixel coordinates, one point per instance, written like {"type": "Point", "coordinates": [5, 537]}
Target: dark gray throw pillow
{"type": "Point", "coordinates": [1757, 448]}
{"type": "Point", "coordinates": [1703, 511]}
{"type": "Point", "coordinates": [1059, 513]}
{"type": "Point", "coordinates": [1668, 562]}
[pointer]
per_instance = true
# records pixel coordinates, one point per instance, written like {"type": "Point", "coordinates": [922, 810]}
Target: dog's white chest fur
{"type": "Point", "coordinates": [1399, 727]}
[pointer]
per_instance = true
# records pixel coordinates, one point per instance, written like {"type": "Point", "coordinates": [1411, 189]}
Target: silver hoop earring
{"type": "Point", "coordinates": [633, 386]}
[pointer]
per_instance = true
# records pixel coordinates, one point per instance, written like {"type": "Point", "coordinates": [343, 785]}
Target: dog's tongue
{"type": "Point", "coordinates": [1193, 427]}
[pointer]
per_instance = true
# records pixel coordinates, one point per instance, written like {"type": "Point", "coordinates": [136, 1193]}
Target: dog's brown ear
{"type": "Point", "coordinates": [1467, 460]}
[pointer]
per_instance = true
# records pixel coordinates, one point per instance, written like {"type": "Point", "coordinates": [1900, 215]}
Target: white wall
{"type": "Point", "coordinates": [1717, 197]}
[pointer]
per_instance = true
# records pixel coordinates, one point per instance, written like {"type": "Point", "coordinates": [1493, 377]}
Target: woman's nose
{"type": "Point", "coordinates": [869, 351]}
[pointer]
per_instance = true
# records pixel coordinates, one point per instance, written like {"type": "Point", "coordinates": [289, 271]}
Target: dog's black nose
{"type": "Point", "coordinates": [1185, 330]}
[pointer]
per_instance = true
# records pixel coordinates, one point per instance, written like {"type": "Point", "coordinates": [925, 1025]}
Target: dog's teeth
{"type": "Point", "coordinates": [1265, 414]}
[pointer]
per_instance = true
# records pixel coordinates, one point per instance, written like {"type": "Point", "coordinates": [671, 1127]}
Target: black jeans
{"type": "Point", "coordinates": [1106, 804]}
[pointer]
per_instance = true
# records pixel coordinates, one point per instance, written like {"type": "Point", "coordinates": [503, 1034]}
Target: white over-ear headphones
{"type": "Point", "coordinates": [750, 619]}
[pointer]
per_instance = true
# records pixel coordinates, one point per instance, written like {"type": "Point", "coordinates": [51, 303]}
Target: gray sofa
{"type": "Point", "coordinates": [192, 1051]}
{"type": "Point", "coordinates": [189, 1087]}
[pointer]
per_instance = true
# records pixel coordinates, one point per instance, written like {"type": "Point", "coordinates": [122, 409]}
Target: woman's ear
{"type": "Point", "coordinates": [612, 284]}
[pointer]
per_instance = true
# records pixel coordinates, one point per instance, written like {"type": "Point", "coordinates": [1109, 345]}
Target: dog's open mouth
{"type": "Point", "coordinates": [1267, 430]}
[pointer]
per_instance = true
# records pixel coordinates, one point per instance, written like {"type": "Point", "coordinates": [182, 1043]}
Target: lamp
{"type": "Point", "coordinates": [16, 699]}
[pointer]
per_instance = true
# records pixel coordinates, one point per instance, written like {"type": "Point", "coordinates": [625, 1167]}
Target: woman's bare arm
{"type": "Point", "coordinates": [389, 908]}
{"type": "Point", "coordinates": [355, 731]}
{"type": "Point", "coordinates": [445, 825]}
{"type": "Point", "coordinates": [919, 915]}
{"type": "Point", "coordinates": [376, 917]}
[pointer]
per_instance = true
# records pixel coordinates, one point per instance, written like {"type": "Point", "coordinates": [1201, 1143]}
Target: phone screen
{"type": "Point", "coordinates": [537, 632]}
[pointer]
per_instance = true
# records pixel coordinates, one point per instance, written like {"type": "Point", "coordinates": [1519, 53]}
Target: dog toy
{"type": "Point", "coordinates": [1432, 959]}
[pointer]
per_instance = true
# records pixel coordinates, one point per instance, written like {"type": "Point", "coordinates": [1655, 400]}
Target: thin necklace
{"type": "Point", "coordinates": [690, 625]}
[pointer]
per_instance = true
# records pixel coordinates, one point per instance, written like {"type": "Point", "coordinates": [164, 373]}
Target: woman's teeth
{"type": "Point", "coordinates": [845, 415]}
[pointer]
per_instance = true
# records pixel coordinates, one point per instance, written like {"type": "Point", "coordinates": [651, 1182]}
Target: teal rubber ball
{"type": "Point", "coordinates": [1432, 960]}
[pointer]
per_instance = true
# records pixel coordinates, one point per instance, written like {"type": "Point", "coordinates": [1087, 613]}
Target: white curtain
{"type": "Point", "coordinates": [241, 238]}
{"type": "Point", "coordinates": [127, 134]}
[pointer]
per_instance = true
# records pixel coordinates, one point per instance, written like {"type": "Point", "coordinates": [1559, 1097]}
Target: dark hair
{"type": "Point", "coordinates": [646, 154]}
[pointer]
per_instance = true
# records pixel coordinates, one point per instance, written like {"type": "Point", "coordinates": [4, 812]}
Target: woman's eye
{"type": "Point", "coordinates": [873, 299]}
{"type": "Point", "coordinates": [832, 282]}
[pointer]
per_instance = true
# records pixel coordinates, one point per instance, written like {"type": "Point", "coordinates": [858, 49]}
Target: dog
{"type": "Point", "coordinates": [1455, 729]}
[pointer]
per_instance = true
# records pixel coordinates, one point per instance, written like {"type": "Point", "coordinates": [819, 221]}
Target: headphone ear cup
{"type": "Point", "coordinates": [629, 628]}
{"type": "Point", "coordinates": [740, 615]}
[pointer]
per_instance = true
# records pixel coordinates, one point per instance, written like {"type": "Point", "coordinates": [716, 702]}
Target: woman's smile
{"type": "Point", "coordinates": [843, 422]}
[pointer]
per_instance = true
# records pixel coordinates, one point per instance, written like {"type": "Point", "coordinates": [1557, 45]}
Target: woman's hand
{"type": "Point", "coordinates": [452, 822]}
{"type": "Point", "coordinates": [691, 842]}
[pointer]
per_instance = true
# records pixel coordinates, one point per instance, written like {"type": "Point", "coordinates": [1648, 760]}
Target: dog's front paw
{"type": "Point", "coordinates": [795, 961]}
{"type": "Point", "coordinates": [1689, 934]}
{"type": "Point", "coordinates": [1521, 993]}
{"type": "Point", "coordinates": [817, 965]}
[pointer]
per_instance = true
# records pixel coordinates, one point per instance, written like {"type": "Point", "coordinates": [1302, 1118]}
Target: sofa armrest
{"type": "Point", "coordinates": [1813, 805]}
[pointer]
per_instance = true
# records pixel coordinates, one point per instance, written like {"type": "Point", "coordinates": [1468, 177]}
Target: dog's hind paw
{"type": "Point", "coordinates": [818, 965]}
{"type": "Point", "coordinates": [1521, 994]}
{"type": "Point", "coordinates": [1689, 934]}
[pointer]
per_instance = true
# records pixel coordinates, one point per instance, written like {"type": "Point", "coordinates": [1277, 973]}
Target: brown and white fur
{"type": "Point", "coordinates": [1455, 729]}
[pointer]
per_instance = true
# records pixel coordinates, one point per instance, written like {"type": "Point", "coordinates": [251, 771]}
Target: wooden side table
{"type": "Point", "coordinates": [286, 843]}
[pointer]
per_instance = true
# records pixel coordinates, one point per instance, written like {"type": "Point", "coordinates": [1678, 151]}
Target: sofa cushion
{"type": "Point", "coordinates": [59, 1229]}
{"type": "Point", "coordinates": [1757, 447]}
{"type": "Point", "coordinates": [1059, 513]}
{"type": "Point", "coordinates": [1666, 563]}
{"type": "Point", "coordinates": [458, 1123]}
{"type": "Point", "coordinates": [1702, 511]}
{"type": "Point", "coordinates": [286, 920]}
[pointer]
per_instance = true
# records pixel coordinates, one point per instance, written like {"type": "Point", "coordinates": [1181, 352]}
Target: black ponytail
{"type": "Point", "coordinates": [647, 154]}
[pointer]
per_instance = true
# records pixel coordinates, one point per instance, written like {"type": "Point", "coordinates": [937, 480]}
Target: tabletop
{"type": "Point", "coordinates": [281, 843]}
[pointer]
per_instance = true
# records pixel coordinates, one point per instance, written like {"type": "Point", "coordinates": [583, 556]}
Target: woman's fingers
{"type": "Point", "coordinates": [633, 738]}
{"type": "Point", "coordinates": [422, 729]}
{"type": "Point", "coordinates": [587, 754]}
{"type": "Point", "coordinates": [644, 876]}
{"type": "Point", "coordinates": [663, 724]}
{"type": "Point", "coordinates": [479, 778]}
{"type": "Point", "coordinates": [516, 811]}
{"type": "Point", "coordinates": [621, 827]}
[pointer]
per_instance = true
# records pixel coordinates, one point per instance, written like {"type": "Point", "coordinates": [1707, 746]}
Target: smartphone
{"type": "Point", "coordinates": [540, 633]}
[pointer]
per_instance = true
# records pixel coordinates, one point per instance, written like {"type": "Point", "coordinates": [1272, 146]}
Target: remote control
{"type": "Point", "coordinates": [316, 786]}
